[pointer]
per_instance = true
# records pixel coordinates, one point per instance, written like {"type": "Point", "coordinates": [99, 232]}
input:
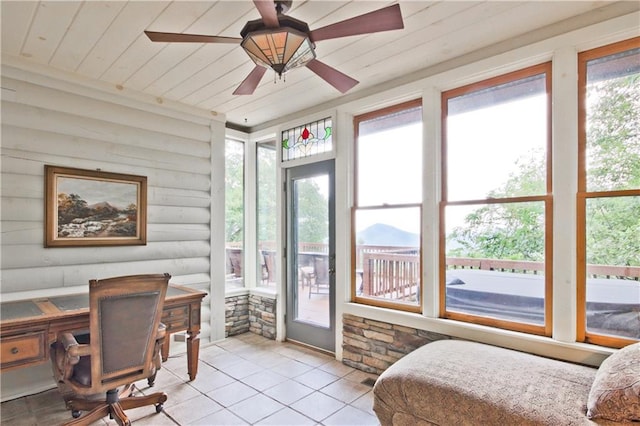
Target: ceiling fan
{"type": "Point", "coordinates": [281, 42]}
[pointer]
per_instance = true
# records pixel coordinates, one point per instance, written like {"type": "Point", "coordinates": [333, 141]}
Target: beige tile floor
{"type": "Point", "coordinates": [244, 380]}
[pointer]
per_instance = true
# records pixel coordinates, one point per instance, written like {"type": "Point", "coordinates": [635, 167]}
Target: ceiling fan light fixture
{"type": "Point", "coordinates": [280, 42]}
{"type": "Point", "coordinates": [280, 49]}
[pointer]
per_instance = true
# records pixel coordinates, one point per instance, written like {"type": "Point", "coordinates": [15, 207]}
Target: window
{"type": "Point", "coordinates": [386, 217]}
{"type": "Point", "coordinates": [609, 195]}
{"type": "Point", "coordinates": [495, 227]}
{"type": "Point", "coordinates": [234, 212]}
{"type": "Point", "coordinates": [266, 212]}
{"type": "Point", "coordinates": [307, 140]}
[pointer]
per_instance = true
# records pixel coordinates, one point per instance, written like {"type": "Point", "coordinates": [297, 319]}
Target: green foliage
{"type": "Point", "coordinates": [312, 205]}
{"type": "Point", "coordinates": [613, 231]}
{"type": "Point", "coordinates": [613, 134]}
{"type": "Point", "coordinates": [234, 191]}
{"type": "Point", "coordinates": [267, 214]}
{"type": "Point", "coordinates": [513, 231]}
{"type": "Point", "coordinates": [312, 212]}
{"type": "Point", "coordinates": [613, 163]}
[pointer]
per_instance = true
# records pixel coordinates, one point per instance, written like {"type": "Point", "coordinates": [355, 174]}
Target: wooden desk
{"type": "Point", "coordinates": [28, 327]}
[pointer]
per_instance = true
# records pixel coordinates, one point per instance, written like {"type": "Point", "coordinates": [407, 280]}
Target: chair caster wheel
{"type": "Point", "coordinates": [75, 413]}
{"type": "Point", "coordinates": [158, 408]}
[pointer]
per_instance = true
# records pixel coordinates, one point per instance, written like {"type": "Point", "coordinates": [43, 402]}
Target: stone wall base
{"type": "Point", "coordinates": [262, 316]}
{"type": "Point", "coordinates": [250, 312]}
{"type": "Point", "coordinates": [367, 345]}
{"type": "Point", "coordinates": [236, 315]}
{"type": "Point", "coordinates": [372, 346]}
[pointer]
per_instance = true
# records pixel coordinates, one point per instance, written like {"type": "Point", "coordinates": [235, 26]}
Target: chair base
{"type": "Point", "coordinates": [114, 406]}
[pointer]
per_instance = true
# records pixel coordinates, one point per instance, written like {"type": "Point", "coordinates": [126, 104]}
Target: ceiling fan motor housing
{"type": "Point", "coordinates": [283, 6]}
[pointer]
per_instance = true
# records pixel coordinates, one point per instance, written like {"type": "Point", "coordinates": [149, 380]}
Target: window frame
{"type": "Point", "coordinates": [582, 334]}
{"type": "Point", "coordinates": [291, 159]}
{"type": "Point", "coordinates": [547, 198]}
{"type": "Point", "coordinates": [370, 300]}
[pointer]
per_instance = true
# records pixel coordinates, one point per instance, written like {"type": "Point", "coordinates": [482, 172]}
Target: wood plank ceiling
{"type": "Point", "coordinates": [104, 41]}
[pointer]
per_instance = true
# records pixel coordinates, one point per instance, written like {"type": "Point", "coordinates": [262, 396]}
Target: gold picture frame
{"type": "Point", "coordinates": [94, 208]}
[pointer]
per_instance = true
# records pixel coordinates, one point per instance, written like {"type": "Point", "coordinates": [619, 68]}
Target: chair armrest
{"type": "Point", "coordinates": [67, 340]}
{"type": "Point", "coordinates": [72, 347]}
{"type": "Point", "coordinates": [162, 332]}
{"type": "Point", "coordinates": [65, 354]}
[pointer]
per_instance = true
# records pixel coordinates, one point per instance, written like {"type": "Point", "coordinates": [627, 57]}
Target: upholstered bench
{"type": "Point", "coordinates": [455, 382]}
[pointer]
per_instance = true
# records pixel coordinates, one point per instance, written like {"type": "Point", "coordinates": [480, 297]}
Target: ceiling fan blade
{"type": "Point", "coordinates": [268, 13]}
{"type": "Point", "coordinates": [340, 81]}
{"type": "Point", "coordinates": [385, 19]}
{"type": "Point", "coordinates": [250, 83]}
{"type": "Point", "coordinates": [190, 38]}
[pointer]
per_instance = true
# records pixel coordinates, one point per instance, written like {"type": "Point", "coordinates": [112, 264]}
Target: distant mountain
{"type": "Point", "coordinates": [104, 207]}
{"type": "Point", "coordinates": [386, 235]}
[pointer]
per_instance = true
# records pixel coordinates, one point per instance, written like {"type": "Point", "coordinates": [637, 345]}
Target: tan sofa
{"type": "Point", "coordinates": [454, 382]}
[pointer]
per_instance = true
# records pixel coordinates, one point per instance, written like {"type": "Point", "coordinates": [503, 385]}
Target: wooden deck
{"type": "Point", "coordinates": [394, 273]}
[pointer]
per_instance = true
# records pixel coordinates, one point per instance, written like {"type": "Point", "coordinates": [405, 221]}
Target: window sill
{"type": "Point", "coordinates": [263, 292]}
{"type": "Point", "coordinates": [581, 353]}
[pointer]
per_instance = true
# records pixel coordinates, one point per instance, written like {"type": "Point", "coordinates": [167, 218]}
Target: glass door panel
{"type": "Point", "coordinates": [311, 260]}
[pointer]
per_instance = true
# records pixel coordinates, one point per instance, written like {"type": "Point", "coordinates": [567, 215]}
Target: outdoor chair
{"type": "Point", "coordinates": [268, 266]}
{"type": "Point", "coordinates": [319, 280]}
{"type": "Point", "coordinates": [235, 261]}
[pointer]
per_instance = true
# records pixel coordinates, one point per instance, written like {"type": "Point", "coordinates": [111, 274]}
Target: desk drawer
{"type": "Point", "coordinates": [22, 349]}
{"type": "Point", "coordinates": [176, 319]}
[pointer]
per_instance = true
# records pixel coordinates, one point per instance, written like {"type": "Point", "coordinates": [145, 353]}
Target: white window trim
{"type": "Point", "coordinates": [562, 51]}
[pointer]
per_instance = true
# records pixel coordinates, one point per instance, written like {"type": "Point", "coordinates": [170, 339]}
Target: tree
{"type": "Point", "coordinates": [613, 231]}
{"type": "Point", "coordinates": [312, 205]}
{"type": "Point", "coordinates": [267, 191]}
{"type": "Point", "coordinates": [70, 207]}
{"type": "Point", "coordinates": [613, 134]}
{"type": "Point", "coordinates": [312, 210]}
{"type": "Point", "coordinates": [507, 231]}
{"type": "Point", "coordinates": [613, 163]}
{"type": "Point", "coordinates": [234, 191]}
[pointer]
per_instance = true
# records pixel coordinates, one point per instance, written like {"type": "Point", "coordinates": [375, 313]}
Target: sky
{"type": "Point", "coordinates": [391, 168]}
{"type": "Point", "coordinates": [483, 146]}
{"type": "Point", "coordinates": [118, 194]}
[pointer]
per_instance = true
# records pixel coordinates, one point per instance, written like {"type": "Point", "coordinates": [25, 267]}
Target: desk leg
{"type": "Point", "coordinates": [193, 341]}
{"type": "Point", "coordinates": [164, 351]}
{"type": "Point", "coordinates": [193, 351]}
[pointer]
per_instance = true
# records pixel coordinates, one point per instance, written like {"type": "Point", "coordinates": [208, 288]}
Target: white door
{"type": "Point", "coordinates": [310, 316]}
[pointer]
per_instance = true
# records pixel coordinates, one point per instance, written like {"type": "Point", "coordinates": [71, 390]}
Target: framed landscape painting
{"type": "Point", "coordinates": [94, 208]}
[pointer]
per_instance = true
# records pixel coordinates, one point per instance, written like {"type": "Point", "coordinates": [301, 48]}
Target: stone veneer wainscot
{"type": "Point", "coordinates": [372, 346]}
{"type": "Point", "coordinates": [250, 312]}
{"type": "Point", "coordinates": [236, 315]}
{"type": "Point", "coordinates": [262, 316]}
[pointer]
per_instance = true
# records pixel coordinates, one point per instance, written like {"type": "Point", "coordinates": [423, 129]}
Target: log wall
{"type": "Point", "coordinates": [47, 121]}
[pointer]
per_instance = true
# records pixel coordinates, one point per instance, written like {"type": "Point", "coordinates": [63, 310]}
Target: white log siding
{"type": "Point", "coordinates": [49, 120]}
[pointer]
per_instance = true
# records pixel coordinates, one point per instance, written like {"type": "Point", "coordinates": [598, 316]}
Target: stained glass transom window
{"type": "Point", "coordinates": [307, 140]}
